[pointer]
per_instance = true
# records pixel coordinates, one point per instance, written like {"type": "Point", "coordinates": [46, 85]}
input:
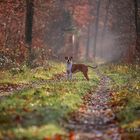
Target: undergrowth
{"type": "Point", "coordinates": [126, 96]}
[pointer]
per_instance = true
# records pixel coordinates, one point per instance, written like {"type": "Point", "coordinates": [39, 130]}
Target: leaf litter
{"type": "Point", "coordinates": [95, 118]}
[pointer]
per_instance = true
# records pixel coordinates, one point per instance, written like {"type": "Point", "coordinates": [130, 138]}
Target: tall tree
{"type": "Point", "coordinates": [105, 26]}
{"type": "Point", "coordinates": [88, 41]}
{"type": "Point", "coordinates": [137, 23]}
{"type": "Point", "coordinates": [28, 27]}
{"type": "Point", "coordinates": [96, 29]}
{"type": "Point", "coordinates": [77, 41]}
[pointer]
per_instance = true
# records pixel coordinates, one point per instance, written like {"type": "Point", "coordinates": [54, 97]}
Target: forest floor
{"type": "Point", "coordinates": [40, 104]}
{"type": "Point", "coordinates": [95, 119]}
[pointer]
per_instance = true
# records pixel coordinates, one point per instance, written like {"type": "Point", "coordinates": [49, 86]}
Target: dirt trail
{"type": "Point", "coordinates": [96, 120]}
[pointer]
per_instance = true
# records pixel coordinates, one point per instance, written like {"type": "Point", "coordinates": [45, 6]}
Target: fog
{"type": "Point", "coordinates": [84, 29]}
{"type": "Point", "coordinates": [114, 36]}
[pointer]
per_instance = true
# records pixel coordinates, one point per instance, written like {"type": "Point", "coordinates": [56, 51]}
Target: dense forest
{"type": "Point", "coordinates": [41, 30]}
{"type": "Point", "coordinates": [43, 46]}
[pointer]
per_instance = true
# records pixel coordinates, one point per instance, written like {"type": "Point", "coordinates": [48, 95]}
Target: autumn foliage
{"type": "Point", "coordinates": [51, 21]}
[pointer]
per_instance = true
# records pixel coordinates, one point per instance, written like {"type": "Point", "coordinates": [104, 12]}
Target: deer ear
{"type": "Point", "coordinates": [66, 57]}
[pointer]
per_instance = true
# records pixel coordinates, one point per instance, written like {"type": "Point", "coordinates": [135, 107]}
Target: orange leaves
{"type": "Point", "coordinates": [71, 136]}
{"type": "Point", "coordinates": [47, 138]}
{"type": "Point", "coordinates": [57, 137]}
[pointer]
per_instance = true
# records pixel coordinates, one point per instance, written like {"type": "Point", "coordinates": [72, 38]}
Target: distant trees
{"type": "Point", "coordinates": [105, 26]}
{"type": "Point", "coordinates": [88, 41]}
{"type": "Point", "coordinates": [36, 28]}
{"type": "Point", "coordinates": [96, 29]}
{"type": "Point", "coordinates": [122, 17]}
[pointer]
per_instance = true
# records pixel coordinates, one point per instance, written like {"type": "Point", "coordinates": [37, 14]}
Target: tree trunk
{"type": "Point", "coordinates": [105, 26]}
{"type": "Point", "coordinates": [88, 41]}
{"type": "Point", "coordinates": [77, 48]}
{"type": "Point", "coordinates": [28, 28]}
{"type": "Point", "coordinates": [137, 23]}
{"type": "Point", "coordinates": [96, 30]}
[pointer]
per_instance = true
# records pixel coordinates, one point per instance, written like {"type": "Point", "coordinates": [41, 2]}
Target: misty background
{"type": "Point", "coordinates": [70, 28]}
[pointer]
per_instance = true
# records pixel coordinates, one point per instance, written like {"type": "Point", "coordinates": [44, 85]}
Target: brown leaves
{"type": "Point", "coordinates": [58, 76]}
{"type": "Point", "coordinates": [71, 136]}
{"type": "Point", "coordinates": [56, 137]}
{"type": "Point", "coordinates": [47, 138]}
{"type": "Point", "coordinates": [8, 87]}
{"type": "Point", "coordinates": [118, 100]}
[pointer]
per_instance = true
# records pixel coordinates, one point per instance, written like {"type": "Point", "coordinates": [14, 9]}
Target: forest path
{"type": "Point", "coordinates": [95, 120]}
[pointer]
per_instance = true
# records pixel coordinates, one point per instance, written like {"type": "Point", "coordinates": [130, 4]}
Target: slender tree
{"type": "Point", "coordinates": [76, 55]}
{"type": "Point", "coordinates": [105, 26]}
{"type": "Point", "coordinates": [28, 27]}
{"type": "Point", "coordinates": [88, 42]}
{"type": "Point", "coordinates": [89, 28]}
{"type": "Point", "coordinates": [137, 23]}
{"type": "Point", "coordinates": [96, 29]}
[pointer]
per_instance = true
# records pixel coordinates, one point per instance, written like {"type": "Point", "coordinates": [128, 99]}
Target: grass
{"type": "Point", "coordinates": [37, 112]}
{"type": "Point", "coordinates": [24, 75]}
{"type": "Point", "coordinates": [126, 95]}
